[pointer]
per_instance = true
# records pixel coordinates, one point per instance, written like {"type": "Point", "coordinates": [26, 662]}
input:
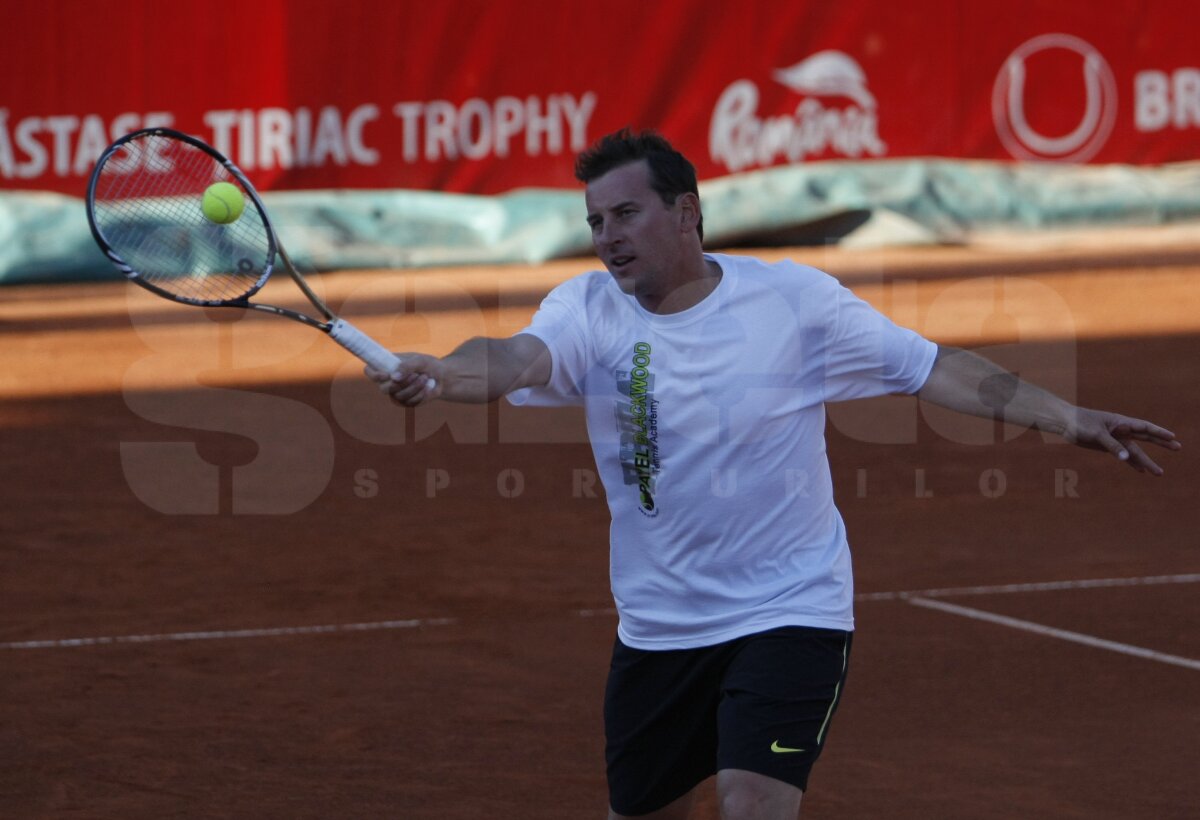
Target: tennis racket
{"type": "Point", "coordinates": [144, 206]}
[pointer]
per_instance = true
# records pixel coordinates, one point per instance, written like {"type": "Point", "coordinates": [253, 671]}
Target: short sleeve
{"type": "Point", "coordinates": [869, 355]}
{"type": "Point", "coordinates": [559, 322]}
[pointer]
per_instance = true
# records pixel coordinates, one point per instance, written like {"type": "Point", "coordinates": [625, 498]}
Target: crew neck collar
{"type": "Point", "coordinates": [699, 310]}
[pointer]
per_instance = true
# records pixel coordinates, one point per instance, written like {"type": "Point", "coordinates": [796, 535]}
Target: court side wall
{"type": "Point", "coordinates": [395, 135]}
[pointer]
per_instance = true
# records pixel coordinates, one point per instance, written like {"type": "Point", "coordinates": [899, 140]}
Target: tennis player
{"type": "Point", "coordinates": [704, 379]}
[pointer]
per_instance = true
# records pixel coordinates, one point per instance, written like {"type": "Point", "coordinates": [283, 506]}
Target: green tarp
{"type": "Point", "coordinates": [44, 237]}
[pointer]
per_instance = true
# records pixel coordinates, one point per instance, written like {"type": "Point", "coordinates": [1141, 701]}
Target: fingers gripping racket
{"type": "Point", "coordinates": [145, 206]}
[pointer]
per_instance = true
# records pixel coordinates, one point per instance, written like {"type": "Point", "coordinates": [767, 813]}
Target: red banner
{"type": "Point", "coordinates": [483, 97]}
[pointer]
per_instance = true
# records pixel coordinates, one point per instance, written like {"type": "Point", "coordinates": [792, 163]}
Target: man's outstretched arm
{"type": "Point", "coordinates": [480, 370]}
{"type": "Point", "coordinates": [969, 383]}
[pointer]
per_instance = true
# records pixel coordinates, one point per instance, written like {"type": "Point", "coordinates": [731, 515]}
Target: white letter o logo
{"type": "Point", "coordinates": [1099, 116]}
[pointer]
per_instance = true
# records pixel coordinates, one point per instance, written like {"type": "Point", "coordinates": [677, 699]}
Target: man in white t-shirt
{"type": "Point", "coordinates": [704, 379]}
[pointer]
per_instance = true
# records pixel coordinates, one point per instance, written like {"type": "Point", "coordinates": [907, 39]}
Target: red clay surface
{"type": "Point", "coordinates": [496, 712]}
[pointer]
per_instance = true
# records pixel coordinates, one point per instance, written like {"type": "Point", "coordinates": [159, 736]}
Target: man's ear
{"type": "Point", "coordinates": [689, 212]}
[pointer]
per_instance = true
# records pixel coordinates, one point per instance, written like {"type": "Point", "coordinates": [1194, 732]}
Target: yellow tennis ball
{"type": "Point", "coordinates": [223, 203]}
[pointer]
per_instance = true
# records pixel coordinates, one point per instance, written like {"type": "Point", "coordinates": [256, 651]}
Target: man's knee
{"type": "Point", "coordinates": [750, 796]}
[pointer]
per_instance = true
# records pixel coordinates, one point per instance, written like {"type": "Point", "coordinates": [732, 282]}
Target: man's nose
{"type": "Point", "coordinates": [606, 235]}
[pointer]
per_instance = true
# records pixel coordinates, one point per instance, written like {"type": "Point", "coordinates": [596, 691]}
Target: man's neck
{"type": "Point", "coordinates": [691, 290]}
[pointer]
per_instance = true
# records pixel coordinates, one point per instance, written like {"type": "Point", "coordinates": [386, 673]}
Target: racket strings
{"type": "Point", "coordinates": [148, 205]}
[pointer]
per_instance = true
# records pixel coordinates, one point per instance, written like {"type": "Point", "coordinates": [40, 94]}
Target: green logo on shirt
{"type": "Point", "coordinates": [638, 421]}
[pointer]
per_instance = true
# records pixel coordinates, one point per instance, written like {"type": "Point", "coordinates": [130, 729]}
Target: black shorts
{"type": "Point", "coordinates": [761, 702]}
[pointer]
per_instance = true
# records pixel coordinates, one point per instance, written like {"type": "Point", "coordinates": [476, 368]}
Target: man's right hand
{"type": "Point", "coordinates": [418, 379]}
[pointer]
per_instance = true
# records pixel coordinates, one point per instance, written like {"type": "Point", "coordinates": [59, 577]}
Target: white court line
{"type": "Point", "coordinates": [217, 635]}
{"type": "Point", "coordinates": [1062, 634]}
{"type": "Point", "coordinates": [1047, 586]}
{"type": "Point", "coordinates": [596, 613]}
{"type": "Point", "coordinates": [68, 643]}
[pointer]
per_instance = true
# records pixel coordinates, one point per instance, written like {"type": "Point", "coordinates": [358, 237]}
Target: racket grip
{"type": "Point", "coordinates": [366, 348]}
{"type": "Point", "coordinates": [363, 346]}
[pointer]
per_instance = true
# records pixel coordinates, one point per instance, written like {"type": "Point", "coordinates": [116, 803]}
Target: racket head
{"type": "Point", "coordinates": [144, 208]}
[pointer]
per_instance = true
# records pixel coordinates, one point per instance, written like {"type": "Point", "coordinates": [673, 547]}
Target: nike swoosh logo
{"type": "Point", "coordinates": [775, 747]}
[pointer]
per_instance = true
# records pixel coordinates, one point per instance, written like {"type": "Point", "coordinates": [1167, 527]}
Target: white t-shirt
{"type": "Point", "coordinates": [708, 429]}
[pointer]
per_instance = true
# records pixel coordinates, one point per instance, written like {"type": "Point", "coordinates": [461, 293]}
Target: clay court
{"type": "Point", "coordinates": [236, 582]}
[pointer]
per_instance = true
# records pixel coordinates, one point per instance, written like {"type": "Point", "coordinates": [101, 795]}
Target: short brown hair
{"type": "Point", "coordinates": [671, 174]}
